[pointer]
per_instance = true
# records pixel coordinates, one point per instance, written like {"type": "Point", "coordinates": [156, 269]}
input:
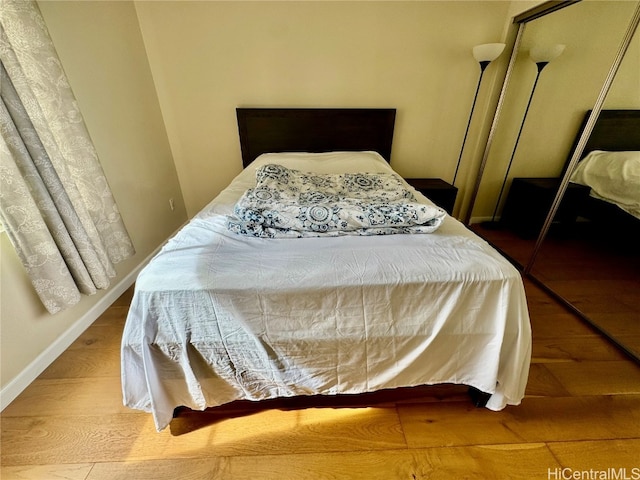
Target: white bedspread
{"type": "Point", "coordinates": [218, 317]}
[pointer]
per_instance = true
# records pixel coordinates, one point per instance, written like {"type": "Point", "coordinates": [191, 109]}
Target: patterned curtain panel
{"type": "Point", "coordinates": [55, 203]}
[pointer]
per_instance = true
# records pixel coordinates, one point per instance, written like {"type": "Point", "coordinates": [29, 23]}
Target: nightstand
{"type": "Point", "coordinates": [437, 190]}
{"type": "Point", "coordinates": [530, 199]}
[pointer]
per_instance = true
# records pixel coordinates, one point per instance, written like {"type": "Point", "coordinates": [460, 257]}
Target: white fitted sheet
{"type": "Point", "coordinates": [218, 317]}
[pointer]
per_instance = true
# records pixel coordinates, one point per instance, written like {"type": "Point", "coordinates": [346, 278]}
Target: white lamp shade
{"type": "Point", "coordinates": [546, 53]}
{"type": "Point", "coordinates": [488, 51]}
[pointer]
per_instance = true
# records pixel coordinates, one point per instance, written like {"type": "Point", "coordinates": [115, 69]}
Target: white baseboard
{"type": "Point", "coordinates": [16, 386]}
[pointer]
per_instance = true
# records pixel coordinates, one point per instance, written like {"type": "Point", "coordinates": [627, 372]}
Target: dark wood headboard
{"type": "Point", "coordinates": [268, 130]}
{"type": "Point", "coordinates": [614, 131]}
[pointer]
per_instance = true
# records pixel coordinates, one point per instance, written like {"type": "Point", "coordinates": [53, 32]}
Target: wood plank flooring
{"type": "Point", "coordinates": [581, 412]}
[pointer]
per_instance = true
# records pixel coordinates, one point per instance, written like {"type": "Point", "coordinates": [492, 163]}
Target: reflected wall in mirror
{"type": "Point", "coordinates": [567, 88]}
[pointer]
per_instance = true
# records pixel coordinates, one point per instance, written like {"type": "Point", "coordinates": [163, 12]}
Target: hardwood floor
{"type": "Point", "coordinates": [581, 413]}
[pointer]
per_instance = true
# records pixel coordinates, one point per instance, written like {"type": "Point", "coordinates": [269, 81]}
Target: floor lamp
{"type": "Point", "coordinates": [541, 56]}
{"type": "Point", "coordinates": [484, 55]}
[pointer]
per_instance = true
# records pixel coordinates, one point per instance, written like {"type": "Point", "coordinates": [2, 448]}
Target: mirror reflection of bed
{"type": "Point", "coordinates": [593, 262]}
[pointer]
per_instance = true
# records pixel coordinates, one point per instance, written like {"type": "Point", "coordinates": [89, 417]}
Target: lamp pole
{"type": "Point", "coordinates": [484, 55]}
{"type": "Point", "coordinates": [541, 56]}
{"type": "Point", "coordinates": [540, 66]}
{"type": "Point", "coordinates": [483, 66]}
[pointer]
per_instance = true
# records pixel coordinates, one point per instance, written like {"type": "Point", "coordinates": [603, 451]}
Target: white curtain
{"type": "Point", "coordinates": [55, 202]}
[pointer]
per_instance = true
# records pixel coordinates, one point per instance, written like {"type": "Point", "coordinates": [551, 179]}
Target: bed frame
{"type": "Point", "coordinates": [313, 130]}
{"type": "Point", "coordinates": [614, 130]}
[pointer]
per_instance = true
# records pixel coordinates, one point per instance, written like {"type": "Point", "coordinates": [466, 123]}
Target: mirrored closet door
{"type": "Point", "coordinates": [595, 270]}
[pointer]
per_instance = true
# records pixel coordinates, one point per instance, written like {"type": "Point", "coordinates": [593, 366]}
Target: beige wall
{"type": "Point", "coordinates": [101, 49]}
{"type": "Point", "coordinates": [208, 58]}
{"type": "Point", "coordinates": [625, 90]}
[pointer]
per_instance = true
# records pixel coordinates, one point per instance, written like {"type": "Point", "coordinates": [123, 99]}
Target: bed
{"type": "Point", "coordinates": [610, 166]}
{"type": "Point", "coordinates": [218, 316]}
